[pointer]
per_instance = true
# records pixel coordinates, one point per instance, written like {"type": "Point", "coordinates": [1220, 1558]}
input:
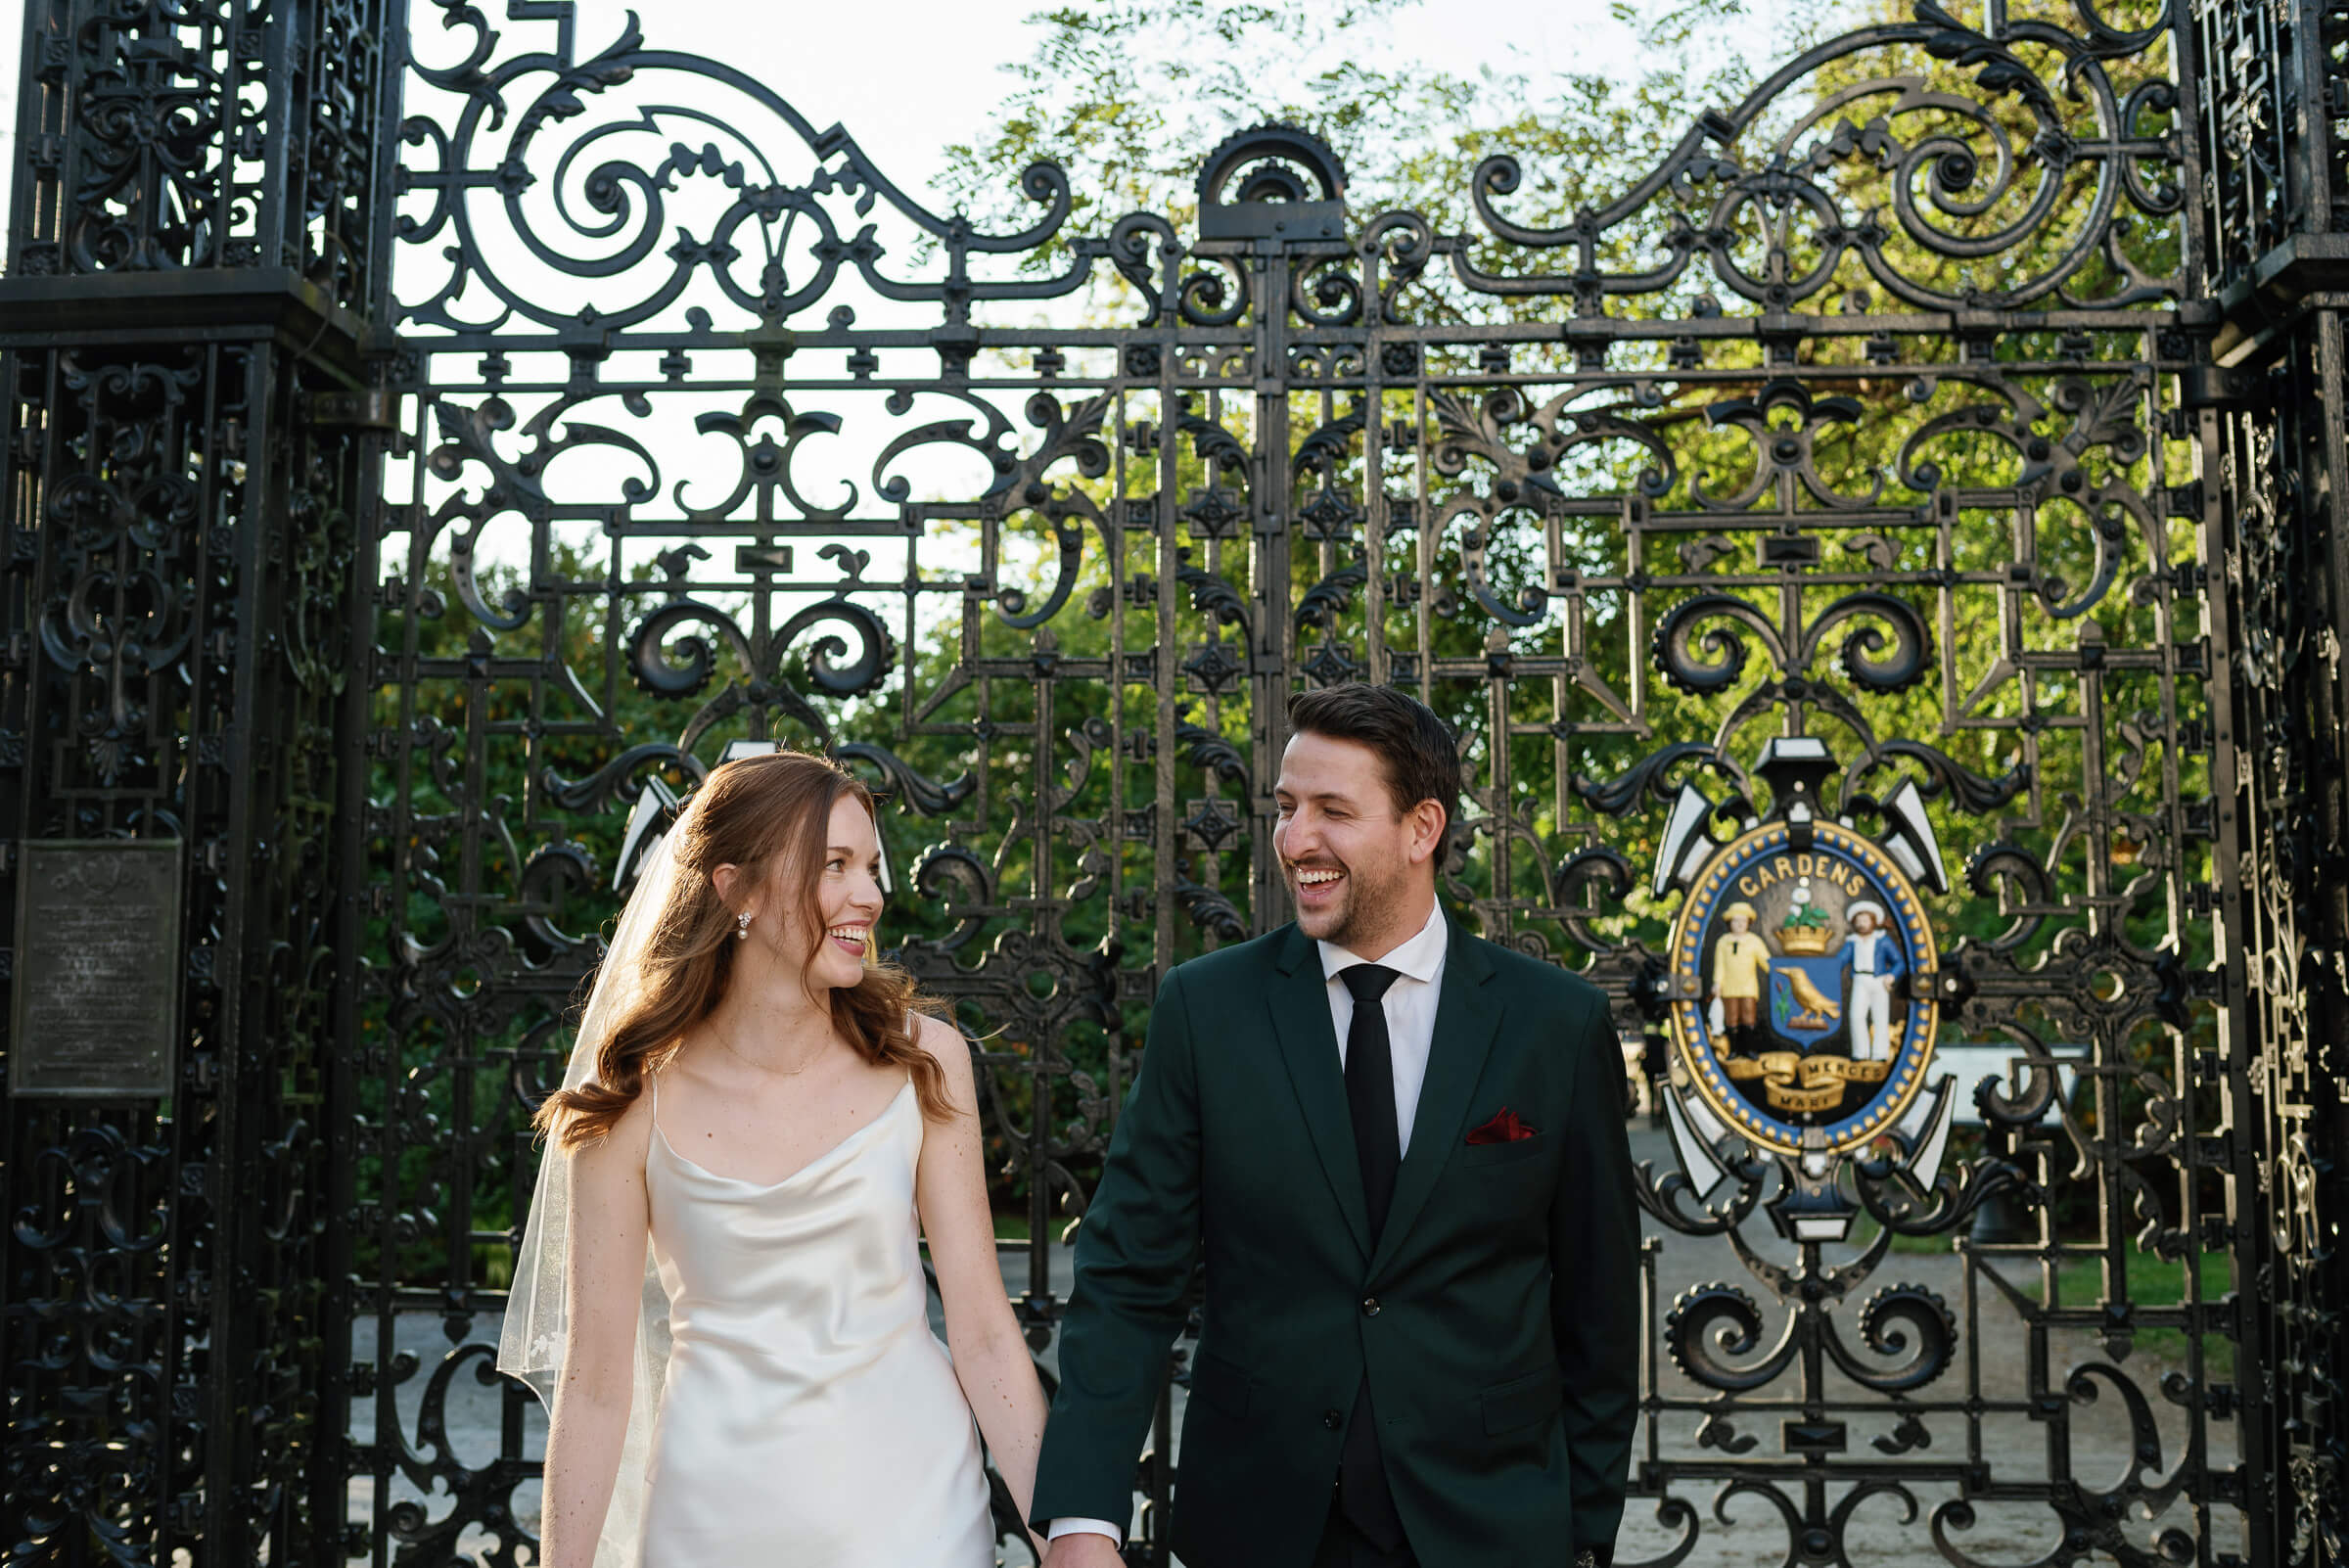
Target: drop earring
{"type": "Point", "coordinates": [742, 926]}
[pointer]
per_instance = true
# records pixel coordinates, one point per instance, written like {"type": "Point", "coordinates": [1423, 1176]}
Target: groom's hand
{"type": "Point", "coordinates": [1083, 1549]}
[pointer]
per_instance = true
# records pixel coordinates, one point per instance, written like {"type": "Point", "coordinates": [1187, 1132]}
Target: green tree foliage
{"type": "Point", "coordinates": [1130, 97]}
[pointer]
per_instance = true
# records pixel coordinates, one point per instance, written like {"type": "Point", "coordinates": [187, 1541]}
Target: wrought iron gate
{"type": "Point", "coordinates": [1938, 452]}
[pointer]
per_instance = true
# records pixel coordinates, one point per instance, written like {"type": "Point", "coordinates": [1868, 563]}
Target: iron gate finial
{"type": "Point", "coordinates": [1271, 201]}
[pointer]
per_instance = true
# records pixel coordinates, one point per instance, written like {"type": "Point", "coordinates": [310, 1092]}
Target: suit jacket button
{"type": "Point", "coordinates": [1371, 1307]}
{"type": "Point", "coordinates": [1332, 1419]}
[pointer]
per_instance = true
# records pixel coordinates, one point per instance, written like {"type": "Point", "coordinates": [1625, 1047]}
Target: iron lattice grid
{"type": "Point", "coordinates": [1886, 409]}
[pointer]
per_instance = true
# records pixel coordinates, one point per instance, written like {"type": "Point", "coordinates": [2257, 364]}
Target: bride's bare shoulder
{"type": "Point", "coordinates": [946, 1046]}
{"type": "Point", "coordinates": [940, 1038]}
{"type": "Point", "coordinates": [622, 1147]}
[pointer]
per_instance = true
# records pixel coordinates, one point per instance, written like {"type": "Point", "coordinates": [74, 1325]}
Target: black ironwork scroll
{"type": "Point", "coordinates": [1923, 474]}
{"type": "Point", "coordinates": [193, 450]}
{"type": "Point", "coordinates": [1856, 421]}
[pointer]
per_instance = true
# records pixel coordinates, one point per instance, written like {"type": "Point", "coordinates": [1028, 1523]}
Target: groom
{"type": "Point", "coordinates": [1401, 1150]}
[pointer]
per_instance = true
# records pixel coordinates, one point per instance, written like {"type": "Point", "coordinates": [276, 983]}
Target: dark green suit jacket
{"type": "Point", "coordinates": [1498, 1318]}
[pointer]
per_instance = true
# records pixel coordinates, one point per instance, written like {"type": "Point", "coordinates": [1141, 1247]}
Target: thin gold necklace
{"type": "Point", "coordinates": [762, 1067]}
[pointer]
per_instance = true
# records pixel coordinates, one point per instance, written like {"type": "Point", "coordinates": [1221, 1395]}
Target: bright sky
{"type": "Point", "coordinates": [909, 77]}
{"type": "Point", "coordinates": [906, 78]}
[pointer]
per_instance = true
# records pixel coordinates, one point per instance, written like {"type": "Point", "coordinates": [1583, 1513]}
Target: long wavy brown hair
{"type": "Point", "coordinates": [747, 813]}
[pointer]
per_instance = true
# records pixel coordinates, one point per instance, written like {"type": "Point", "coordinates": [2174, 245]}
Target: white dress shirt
{"type": "Point", "coordinates": [1410, 1008]}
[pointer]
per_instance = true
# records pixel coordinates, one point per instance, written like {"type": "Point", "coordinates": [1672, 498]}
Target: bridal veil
{"type": "Point", "coordinates": [535, 1334]}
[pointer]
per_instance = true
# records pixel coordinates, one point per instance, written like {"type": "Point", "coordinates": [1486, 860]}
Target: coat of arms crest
{"type": "Point", "coordinates": [1803, 989]}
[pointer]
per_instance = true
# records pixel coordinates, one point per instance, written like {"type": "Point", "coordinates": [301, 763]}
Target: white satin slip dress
{"type": "Point", "coordinates": [811, 1418]}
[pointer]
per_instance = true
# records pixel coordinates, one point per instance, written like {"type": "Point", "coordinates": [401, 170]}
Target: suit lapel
{"type": "Point", "coordinates": [1467, 1018]}
{"type": "Point", "coordinates": [1300, 1008]}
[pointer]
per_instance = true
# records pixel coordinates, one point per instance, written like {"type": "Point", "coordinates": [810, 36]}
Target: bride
{"type": "Point", "coordinates": [721, 1294]}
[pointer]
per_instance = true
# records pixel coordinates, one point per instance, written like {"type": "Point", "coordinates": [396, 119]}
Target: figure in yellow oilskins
{"type": "Point", "coordinates": [1740, 961]}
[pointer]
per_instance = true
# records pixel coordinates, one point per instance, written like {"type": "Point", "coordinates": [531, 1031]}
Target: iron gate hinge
{"type": "Point", "coordinates": [2219, 387]}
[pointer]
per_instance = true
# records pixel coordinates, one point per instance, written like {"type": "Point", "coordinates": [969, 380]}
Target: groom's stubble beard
{"type": "Point", "coordinates": [1375, 892]}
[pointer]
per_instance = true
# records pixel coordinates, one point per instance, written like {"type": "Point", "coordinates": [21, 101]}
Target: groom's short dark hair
{"type": "Point", "coordinates": [1422, 760]}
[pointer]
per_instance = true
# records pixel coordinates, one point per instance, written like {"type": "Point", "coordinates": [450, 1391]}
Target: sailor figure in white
{"type": "Point", "coordinates": [1875, 963]}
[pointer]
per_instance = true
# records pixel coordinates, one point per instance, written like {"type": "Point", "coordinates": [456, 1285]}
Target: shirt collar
{"type": "Point", "coordinates": [1420, 959]}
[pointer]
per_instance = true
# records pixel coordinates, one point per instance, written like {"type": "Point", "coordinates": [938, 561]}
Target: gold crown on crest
{"type": "Point", "coordinates": [1805, 932]}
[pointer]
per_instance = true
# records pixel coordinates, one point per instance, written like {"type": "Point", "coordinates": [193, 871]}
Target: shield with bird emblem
{"type": "Point", "coordinates": [1806, 998]}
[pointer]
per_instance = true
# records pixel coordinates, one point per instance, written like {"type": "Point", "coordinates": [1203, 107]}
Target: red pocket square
{"type": "Point", "coordinates": [1504, 1128]}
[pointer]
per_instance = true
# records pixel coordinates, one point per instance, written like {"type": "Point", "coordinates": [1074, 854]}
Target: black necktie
{"type": "Point", "coordinates": [1362, 1494]}
{"type": "Point", "coordinates": [1370, 1088]}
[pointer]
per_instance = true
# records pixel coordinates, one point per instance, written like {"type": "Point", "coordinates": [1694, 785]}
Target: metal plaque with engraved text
{"type": "Point", "coordinates": [96, 987]}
